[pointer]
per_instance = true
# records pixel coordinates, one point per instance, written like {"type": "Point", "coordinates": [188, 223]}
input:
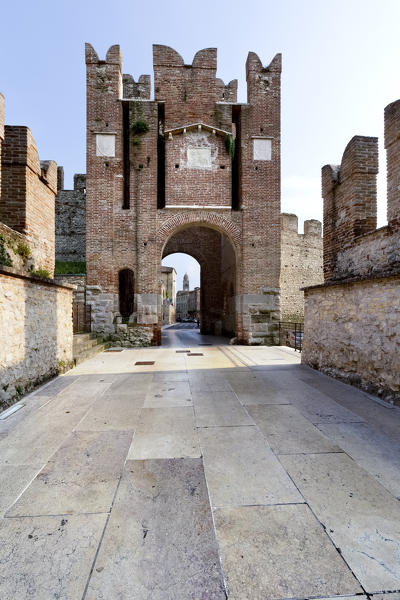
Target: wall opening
{"type": "Point", "coordinates": [127, 163]}
{"type": "Point", "coordinates": [216, 256]}
{"type": "Point", "coordinates": [126, 292]}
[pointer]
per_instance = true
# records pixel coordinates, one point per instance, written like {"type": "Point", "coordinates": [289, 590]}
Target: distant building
{"type": "Point", "coordinates": [168, 291]}
{"type": "Point", "coordinates": [187, 302]}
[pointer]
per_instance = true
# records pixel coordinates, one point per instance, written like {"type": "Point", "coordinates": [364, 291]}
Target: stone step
{"type": "Point", "coordinates": [81, 345]}
{"type": "Point", "coordinates": [89, 353]}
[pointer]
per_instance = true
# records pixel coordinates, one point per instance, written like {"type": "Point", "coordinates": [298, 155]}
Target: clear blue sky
{"type": "Point", "coordinates": [340, 69]}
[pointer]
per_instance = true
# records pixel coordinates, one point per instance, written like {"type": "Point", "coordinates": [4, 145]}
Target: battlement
{"type": "Point", "coordinates": [349, 193]}
{"type": "Point", "coordinates": [28, 187]}
{"type": "Point", "coordinates": [290, 224]}
{"type": "Point", "coordinates": [137, 90]}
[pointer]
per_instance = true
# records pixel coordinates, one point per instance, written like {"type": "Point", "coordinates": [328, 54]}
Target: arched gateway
{"type": "Point", "coordinates": [192, 171]}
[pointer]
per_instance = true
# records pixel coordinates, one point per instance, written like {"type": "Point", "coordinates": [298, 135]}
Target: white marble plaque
{"type": "Point", "coordinates": [105, 144]}
{"type": "Point", "coordinates": [262, 149]}
{"type": "Point", "coordinates": [199, 158]}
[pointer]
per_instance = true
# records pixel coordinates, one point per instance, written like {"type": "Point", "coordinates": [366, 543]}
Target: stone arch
{"type": "Point", "coordinates": [215, 251]}
{"type": "Point", "coordinates": [205, 219]}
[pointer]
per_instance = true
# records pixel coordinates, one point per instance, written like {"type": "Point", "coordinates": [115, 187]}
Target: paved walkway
{"type": "Point", "coordinates": [225, 472]}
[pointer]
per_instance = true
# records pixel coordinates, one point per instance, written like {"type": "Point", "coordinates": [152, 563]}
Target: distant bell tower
{"type": "Point", "coordinates": [185, 282]}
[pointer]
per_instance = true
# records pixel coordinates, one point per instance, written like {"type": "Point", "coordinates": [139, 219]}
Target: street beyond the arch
{"type": "Point", "coordinates": [203, 472]}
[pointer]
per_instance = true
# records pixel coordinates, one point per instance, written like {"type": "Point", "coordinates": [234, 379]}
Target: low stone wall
{"type": "Point", "coordinates": [352, 332]}
{"type": "Point", "coordinates": [79, 283]}
{"type": "Point", "coordinates": [36, 332]}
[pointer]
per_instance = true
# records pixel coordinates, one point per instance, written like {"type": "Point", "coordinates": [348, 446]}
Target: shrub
{"type": "Point", "coordinates": [23, 250]}
{"type": "Point", "coordinates": [70, 267]}
{"type": "Point", "coordinates": [41, 273]}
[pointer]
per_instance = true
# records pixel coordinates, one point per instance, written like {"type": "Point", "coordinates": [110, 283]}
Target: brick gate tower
{"type": "Point", "coordinates": [191, 171]}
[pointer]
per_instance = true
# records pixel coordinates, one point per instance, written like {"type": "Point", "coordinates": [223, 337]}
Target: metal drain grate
{"type": "Point", "coordinates": [114, 350]}
{"type": "Point", "coordinates": [144, 362]}
{"type": "Point", "coordinates": [195, 354]}
{"type": "Point", "coordinates": [180, 351]}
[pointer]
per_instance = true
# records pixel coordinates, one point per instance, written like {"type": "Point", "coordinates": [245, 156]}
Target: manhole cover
{"type": "Point", "coordinates": [144, 362]}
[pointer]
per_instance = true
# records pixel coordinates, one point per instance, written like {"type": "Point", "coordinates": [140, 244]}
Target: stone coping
{"type": "Point", "coordinates": [351, 280]}
{"type": "Point", "coordinates": [34, 278]}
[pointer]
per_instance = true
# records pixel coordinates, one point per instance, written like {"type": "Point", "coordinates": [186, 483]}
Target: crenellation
{"type": "Point", "coordinates": [136, 90]}
{"type": "Point", "coordinates": [392, 146]}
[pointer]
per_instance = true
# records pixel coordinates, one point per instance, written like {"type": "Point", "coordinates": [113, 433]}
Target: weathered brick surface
{"type": "Point", "coordinates": [28, 187]}
{"type": "Point", "coordinates": [130, 222]}
{"type": "Point", "coordinates": [301, 264]}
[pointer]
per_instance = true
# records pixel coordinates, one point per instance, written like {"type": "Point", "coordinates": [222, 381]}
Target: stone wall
{"type": "Point", "coordinates": [71, 221]}
{"type": "Point", "coordinates": [301, 264]}
{"type": "Point", "coordinates": [36, 326]}
{"type": "Point", "coordinates": [352, 322]}
{"type": "Point", "coordinates": [352, 331]}
{"type": "Point", "coordinates": [77, 282]}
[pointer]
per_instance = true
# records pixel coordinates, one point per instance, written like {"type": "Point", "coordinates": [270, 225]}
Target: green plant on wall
{"type": "Point", "coordinates": [230, 145]}
{"type": "Point", "coordinates": [138, 125]}
{"type": "Point", "coordinates": [23, 250]}
{"type": "Point", "coordinates": [41, 273]}
{"type": "Point", "coordinates": [5, 258]}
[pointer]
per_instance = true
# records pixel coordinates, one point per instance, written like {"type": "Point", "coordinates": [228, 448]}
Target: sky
{"type": "Point", "coordinates": [340, 70]}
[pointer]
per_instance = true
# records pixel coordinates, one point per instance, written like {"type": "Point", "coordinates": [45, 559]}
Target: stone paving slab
{"type": "Point", "coordinates": [375, 452]}
{"type": "Point", "coordinates": [274, 552]}
{"type": "Point", "coordinates": [13, 481]}
{"type": "Point", "coordinates": [241, 468]}
{"type": "Point", "coordinates": [168, 393]}
{"type": "Point", "coordinates": [288, 432]}
{"type": "Point", "coordinates": [81, 477]}
{"type": "Point", "coordinates": [166, 420]}
{"type": "Point", "coordinates": [130, 385]}
{"type": "Point", "coordinates": [109, 413]}
{"type": "Point", "coordinates": [47, 557]}
{"type": "Point", "coordinates": [219, 409]}
{"type": "Point", "coordinates": [360, 516]}
{"type": "Point", "coordinates": [167, 549]}
{"type": "Point", "coordinates": [164, 445]}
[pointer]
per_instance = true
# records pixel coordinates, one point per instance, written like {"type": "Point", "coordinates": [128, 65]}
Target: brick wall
{"type": "Point", "coordinates": [28, 187]}
{"type": "Point", "coordinates": [131, 216]}
{"type": "Point", "coordinates": [301, 264]}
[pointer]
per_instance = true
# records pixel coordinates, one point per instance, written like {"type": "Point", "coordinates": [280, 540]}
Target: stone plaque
{"type": "Point", "coordinates": [105, 144]}
{"type": "Point", "coordinates": [199, 158]}
{"type": "Point", "coordinates": [262, 149]}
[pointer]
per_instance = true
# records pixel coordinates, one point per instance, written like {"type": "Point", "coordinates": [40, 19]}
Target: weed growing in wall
{"type": "Point", "coordinates": [5, 258]}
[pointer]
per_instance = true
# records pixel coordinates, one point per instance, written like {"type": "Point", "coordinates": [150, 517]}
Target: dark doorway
{"type": "Point", "coordinates": [126, 292]}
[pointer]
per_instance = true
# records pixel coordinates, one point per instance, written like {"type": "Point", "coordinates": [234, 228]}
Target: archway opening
{"type": "Point", "coordinates": [180, 289]}
{"type": "Point", "coordinates": [215, 254]}
{"type": "Point", "coordinates": [126, 292]}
